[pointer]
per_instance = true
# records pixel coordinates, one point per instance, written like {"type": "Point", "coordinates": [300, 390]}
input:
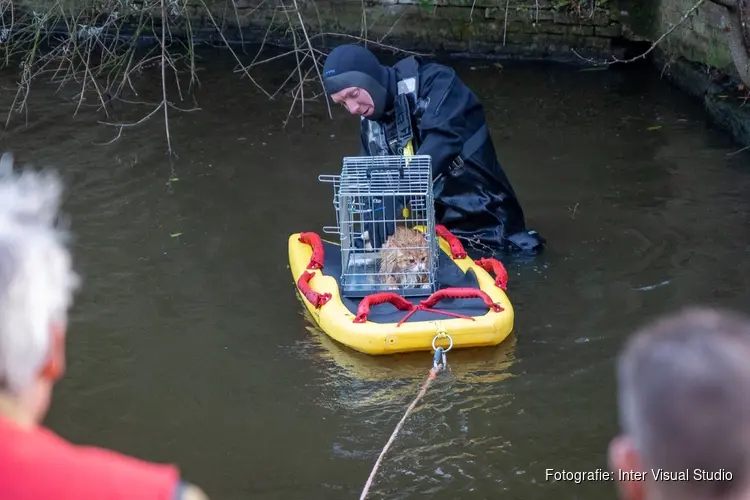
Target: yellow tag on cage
{"type": "Point", "coordinates": [408, 151]}
{"type": "Point", "coordinates": [405, 212]}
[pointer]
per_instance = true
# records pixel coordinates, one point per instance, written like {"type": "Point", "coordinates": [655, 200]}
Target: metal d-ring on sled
{"type": "Point", "coordinates": [346, 293]}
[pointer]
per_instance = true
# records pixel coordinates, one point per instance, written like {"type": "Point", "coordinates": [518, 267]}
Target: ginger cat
{"type": "Point", "coordinates": [405, 251]}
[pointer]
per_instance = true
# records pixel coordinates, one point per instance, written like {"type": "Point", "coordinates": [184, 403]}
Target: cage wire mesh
{"type": "Point", "coordinates": [372, 197]}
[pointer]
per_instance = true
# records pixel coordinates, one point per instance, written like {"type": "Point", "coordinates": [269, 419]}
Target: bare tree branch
{"type": "Point", "coordinates": [653, 46]}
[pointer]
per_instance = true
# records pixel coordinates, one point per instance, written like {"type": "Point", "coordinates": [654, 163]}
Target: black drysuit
{"type": "Point", "coordinates": [473, 197]}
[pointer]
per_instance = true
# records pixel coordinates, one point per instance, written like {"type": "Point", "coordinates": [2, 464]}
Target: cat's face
{"type": "Point", "coordinates": [405, 257]}
{"type": "Point", "coordinates": [411, 260]}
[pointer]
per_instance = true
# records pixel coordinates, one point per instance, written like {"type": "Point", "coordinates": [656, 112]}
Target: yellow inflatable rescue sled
{"type": "Point", "coordinates": [470, 309]}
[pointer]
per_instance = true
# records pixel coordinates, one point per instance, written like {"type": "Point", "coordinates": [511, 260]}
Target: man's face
{"type": "Point", "coordinates": [356, 100]}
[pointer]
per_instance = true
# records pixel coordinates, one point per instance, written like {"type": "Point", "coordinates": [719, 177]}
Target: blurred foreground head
{"type": "Point", "coordinates": [36, 287]}
{"type": "Point", "coordinates": [684, 401]}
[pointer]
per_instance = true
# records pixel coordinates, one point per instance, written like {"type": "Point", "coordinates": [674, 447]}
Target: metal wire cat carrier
{"type": "Point", "coordinates": [372, 197]}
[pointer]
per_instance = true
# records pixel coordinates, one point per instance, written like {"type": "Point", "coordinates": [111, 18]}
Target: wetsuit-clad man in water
{"type": "Point", "coordinates": [473, 196]}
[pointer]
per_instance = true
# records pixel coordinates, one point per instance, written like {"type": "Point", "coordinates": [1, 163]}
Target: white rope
{"type": "Point", "coordinates": [426, 384]}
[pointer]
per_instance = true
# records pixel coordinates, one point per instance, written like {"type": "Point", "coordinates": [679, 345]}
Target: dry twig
{"type": "Point", "coordinates": [653, 46]}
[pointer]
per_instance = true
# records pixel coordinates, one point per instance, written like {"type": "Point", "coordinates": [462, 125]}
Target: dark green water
{"type": "Point", "coordinates": [194, 349]}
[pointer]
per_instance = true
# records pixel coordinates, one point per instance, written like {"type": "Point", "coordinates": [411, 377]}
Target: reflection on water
{"type": "Point", "coordinates": [188, 343]}
{"type": "Point", "coordinates": [440, 436]}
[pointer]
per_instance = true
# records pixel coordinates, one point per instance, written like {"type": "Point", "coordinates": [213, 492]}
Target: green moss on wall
{"type": "Point", "coordinates": [718, 55]}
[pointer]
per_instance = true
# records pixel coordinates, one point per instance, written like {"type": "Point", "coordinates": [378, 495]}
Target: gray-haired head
{"type": "Point", "coordinates": [36, 276]}
{"type": "Point", "coordinates": [684, 398]}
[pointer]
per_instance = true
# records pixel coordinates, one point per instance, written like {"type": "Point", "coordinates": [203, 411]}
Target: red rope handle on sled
{"type": "Point", "coordinates": [457, 249]}
{"type": "Point", "coordinates": [381, 298]}
{"type": "Point", "coordinates": [460, 293]}
{"type": "Point", "coordinates": [425, 305]}
{"type": "Point", "coordinates": [317, 257]}
{"type": "Point", "coordinates": [494, 266]}
{"type": "Point", "coordinates": [452, 293]}
{"type": "Point", "coordinates": [315, 298]}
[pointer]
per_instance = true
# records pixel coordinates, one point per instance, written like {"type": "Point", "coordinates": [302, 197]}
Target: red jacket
{"type": "Point", "coordinates": [37, 464]}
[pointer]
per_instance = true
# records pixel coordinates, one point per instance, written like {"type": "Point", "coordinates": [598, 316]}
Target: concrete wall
{"type": "Point", "coordinates": [519, 28]}
{"type": "Point", "coordinates": [701, 38]}
{"type": "Point", "coordinates": [534, 28]}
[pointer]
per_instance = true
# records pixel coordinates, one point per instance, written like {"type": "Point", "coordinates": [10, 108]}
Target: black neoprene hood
{"type": "Point", "coordinates": [355, 66]}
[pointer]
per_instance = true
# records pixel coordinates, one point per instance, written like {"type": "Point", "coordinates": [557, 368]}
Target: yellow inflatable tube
{"type": "Point", "coordinates": [376, 338]}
